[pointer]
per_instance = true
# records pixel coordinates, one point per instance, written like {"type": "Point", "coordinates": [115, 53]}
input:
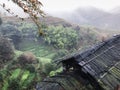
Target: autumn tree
{"type": "Point", "coordinates": [31, 7]}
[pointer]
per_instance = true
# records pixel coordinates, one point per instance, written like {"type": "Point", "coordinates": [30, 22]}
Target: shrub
{"type": "Point", "coordinates": [6, 50]}
{"type": "Point", "coordinates": [26, 58]}
{"type": "Point", "coordinates": [49, 67]}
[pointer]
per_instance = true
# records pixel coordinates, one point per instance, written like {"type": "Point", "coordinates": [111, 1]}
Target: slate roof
{"type": "Point", "coordinates": [102, 62]}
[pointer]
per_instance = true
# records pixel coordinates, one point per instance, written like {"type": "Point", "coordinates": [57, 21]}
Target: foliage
{"type": "Point", "coordinates": [60, 53]}
{"type": "Point", "coordinates": [55, 72]}
{"type": "Point", "coordinates": [15, 76]}
{"type": "Point", "coordinates": [11, 32]}
{"type": "Point", "coordinates": [28, 38]}
{"type": "Point", "coordinates": [49, 67]}
{"type": "Point", "coordinates": [18, 80]}
{"type": "Point", "coordinates": [61, 37]}
{"type": "Point", "coordinates": [26, 58]}
{"type": "Point", "coordinates": [27, 70]}
{"type": "Point", "coordinates": [6, 51]}
{"type": "Point", "coordinates": [31, 7]}
{"type": "Point", "coordinates": [7, 29]}
{"type": "Point", "coordinates": [27, 26]}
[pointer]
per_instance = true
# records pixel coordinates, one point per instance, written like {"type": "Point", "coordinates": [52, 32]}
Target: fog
{"type": "Point", "coordinates": [52, 6]}
{"type": "Point", "coordinates": [68, 5]}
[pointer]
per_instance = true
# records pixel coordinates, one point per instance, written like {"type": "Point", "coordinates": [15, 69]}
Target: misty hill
{"type": "Point", "coordinates": [56, 21]}
{"type": "Point", "coordinates": [93, 16]}
{"type": "Point", "coordinates": [48, 20]}
{"type": "Point", "coordinates": [116, 10]}
{"type": "Point", "coordinates": [27, 27]}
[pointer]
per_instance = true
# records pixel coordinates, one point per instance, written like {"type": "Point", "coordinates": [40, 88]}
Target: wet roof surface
{"type": "Point", "coordinates": [102, 62]}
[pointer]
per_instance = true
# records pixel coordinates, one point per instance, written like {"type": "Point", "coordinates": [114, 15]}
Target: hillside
{"type": "Point", "coordinates": [48, 20]}
{"type": "Point", "coordinates": [93, 16]}
{"type": "Point", "coordinates": [55, 21]}
{"type": "Point", "coordinates": [24, 34]}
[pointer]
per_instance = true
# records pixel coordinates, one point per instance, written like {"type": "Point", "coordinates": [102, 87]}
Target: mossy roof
{"type": "Point", "coordinates": [101, 61]}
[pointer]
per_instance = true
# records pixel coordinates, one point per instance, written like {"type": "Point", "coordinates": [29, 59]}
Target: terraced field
{"type": "Point", "coordinates": [40, 50]}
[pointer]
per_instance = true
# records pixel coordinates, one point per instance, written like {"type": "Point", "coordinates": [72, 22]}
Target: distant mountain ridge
{"type": "Point", "coordinates": [55, 21]}
{"type": "Point", "coordinates": [93, 16]}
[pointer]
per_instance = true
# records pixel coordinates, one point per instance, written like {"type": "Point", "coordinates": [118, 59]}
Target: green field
{"type": "Point", "coordinates": [40, 50]}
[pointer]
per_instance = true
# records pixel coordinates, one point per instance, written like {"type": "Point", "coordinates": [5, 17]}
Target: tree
{"type": "Point", "coordinates": [31, 7]}
{"type": "Point", "coordinates": [26, 58]}
{"type": "Point", "coordinates": [13, 33]}
{"type": "Point", "coordinates": [60, 37]}
{"type": "Point", "coordinates": [6, 51]}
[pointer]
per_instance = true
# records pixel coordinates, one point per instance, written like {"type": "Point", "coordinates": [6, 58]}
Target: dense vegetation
{"type": "Point", "coordinates": [34, 54]}
{"type": "Point", "coordinates": [20, 71]}
{"type": "Point", "coordinates": [32, 59]}
{"type": "Point", "coordinates": [6, 51]}
{"type": "Point", "coordinates": [60, 37]}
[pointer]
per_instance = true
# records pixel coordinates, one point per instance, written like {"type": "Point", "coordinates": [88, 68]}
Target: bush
{"type": "Point", "coordinates": [6, 50]}
{"type": "Point", "coordinates": [26, 58]}
{"type": "Point", "coordinates": [49, 67]}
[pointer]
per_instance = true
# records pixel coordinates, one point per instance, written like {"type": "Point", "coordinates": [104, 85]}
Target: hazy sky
{"type": "Point", "coordinates": [69, 5]}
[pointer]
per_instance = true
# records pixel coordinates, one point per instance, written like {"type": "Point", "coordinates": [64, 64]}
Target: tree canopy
{"type": "Point", "coordinates": [61, 37]}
